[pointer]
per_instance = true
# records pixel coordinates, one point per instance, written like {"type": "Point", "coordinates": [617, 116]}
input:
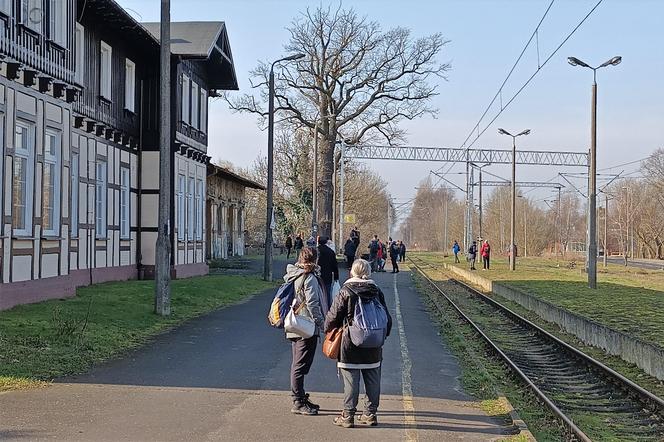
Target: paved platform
{"type": "Point", "coordinates": [225, 376]}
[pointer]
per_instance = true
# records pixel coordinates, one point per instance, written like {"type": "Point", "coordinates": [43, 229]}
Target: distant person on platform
{"type": "Point", "coordinates": [350, 249]}
{"type": "Point", "coordinates": [402, 251]}
{"type": "Point", "coordinates": [456, 249]}
{"type": "Point", "coordinates": [299, 245]}
{"type": "Point", "coordinates": [355, 236]}
{"type": "Point", "coordinates": [374, 246]}
{"type": "Point", "coordinates": [289, 246]}
{"type": "Point", "coordinates": [395, 252]}
{"type": "Point", "coordinates": [485, 251]}
{"type": "Point", "coordinates": [329, 269]}
{"type": "Point", "coordinates": [472, 255]}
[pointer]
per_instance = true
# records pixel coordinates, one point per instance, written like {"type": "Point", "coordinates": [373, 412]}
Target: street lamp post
{"type": "Point", "coordinates": [592, 178]}
{"type": "Point", "coordinates": [267, 263]}
{"type": "Point", "coordinates": [513, 214]}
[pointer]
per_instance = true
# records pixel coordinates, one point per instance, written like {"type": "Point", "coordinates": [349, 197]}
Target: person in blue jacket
{"type": "Point", "coordinates": [456, 249]}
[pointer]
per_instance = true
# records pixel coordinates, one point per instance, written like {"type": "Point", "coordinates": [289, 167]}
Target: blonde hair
{"type": "Point", "coordinates": [361, 269]}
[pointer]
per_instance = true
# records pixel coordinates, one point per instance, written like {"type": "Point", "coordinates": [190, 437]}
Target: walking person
{"type": "Point", "coordinates": [456, 249]}
{"type": "Point", "coordinates": [395, 252]}
{"type": "Point", "coordinates": [289, 246]}
{"type": "Point", "coordinates": [382, 256]}
{"type": "Point", "coordinates": [349, 251]}
{"type": "Point", "coordinates": [485, 251]}
{"type": "Point", "coordinates": [308, 291]}
{"type": "Point", "coordinates": [355, 361]}
{"type": "Point", "coordinates": [472, 255]}
{"type": "Point", "coordinates": [355, 236]}
{"type": "Point", "coordinates": [299, 244]}
{"type": "Point", "coordinates": [329, 269]}
{"type": "Point", "coordinates": [374, 246]}
{"type": "Point", "coordinates": [402, 251]}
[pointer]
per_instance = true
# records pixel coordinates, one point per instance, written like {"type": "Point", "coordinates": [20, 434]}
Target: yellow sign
{"type": "Point", "coordinates": [349, 218]}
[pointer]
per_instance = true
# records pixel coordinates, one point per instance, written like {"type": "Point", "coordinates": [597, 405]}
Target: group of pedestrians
{"type": "Point", "coordinates": [484, 252]}
{"type": "Point", "coordinates": [353, 361]}
{"type": "Point", "coordinates": [378, 253]}
{"type": "Point", "coordinates": [297, 244]}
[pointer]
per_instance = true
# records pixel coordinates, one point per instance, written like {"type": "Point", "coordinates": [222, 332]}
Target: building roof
{"type": "Point", "coordinates": [224, 173]}
{"type": "Point", "coordinates": [203, 40]}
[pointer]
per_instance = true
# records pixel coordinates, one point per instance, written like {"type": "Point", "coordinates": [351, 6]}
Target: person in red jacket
{"type": "Point", "coordinates": [485, 251]}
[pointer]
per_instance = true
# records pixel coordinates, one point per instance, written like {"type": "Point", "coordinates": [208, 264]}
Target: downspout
{"type": "Point", "coordinates": [139, 185]}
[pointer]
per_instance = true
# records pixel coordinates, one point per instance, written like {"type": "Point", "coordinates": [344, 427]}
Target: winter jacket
{"type": "Point", "coordinates": [308, 290]}
{"type": "Point", "coordinates": [350, 248]}
{"type": "Point", "coordinates": [327, 261]}
{"type": "Point", "coordinates": [485, 250]}
{"type": "Point", "coordinates": [289, 243]}
{"type": "Point", "coordinates": [299, 243]}
{"type": "Point", "coordinates": [342, 312]}
{"type": "Point", "coordinates": [456, 248]}
{"type": "Point", "coordinates": [472, 251]}
{"type": "Point", "coordinates": [402, 250]}
{"type": "Point", "coordinates": [395, 250]}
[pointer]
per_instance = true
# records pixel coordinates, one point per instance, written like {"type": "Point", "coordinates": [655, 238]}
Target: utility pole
{"type": "Point", "coordinates": [447, 200]}
{"type": "Point", "coordinates": [606, 225]}
{"type": "Point", "coordinates": [480, 196]}
{"type": "Point", "coordinates": [389, 219]}
{"type": "Point", "coordinates": [162, 299]}
{"type": "Point", "coordinates": [314, 208]}
{"type": "Point", "coordinates": [558, 231]}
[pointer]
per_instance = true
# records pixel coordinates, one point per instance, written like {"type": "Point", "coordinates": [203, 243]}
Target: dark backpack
{"type": "Point", "coordinates": [373, 247]}
{"type": "Point", "coordinates": [369, 326]}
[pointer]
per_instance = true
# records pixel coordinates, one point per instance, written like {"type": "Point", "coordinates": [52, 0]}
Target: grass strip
{"type": "Point", "coordinates": [39, 342]}
{"type": "Point", "coordinates": [486, 377]}
{"type": "Point", "coordinates": [627, 299]}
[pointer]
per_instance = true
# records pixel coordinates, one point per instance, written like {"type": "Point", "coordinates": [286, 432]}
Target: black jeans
{"type": "Point", "coordinates": [288, 254]}
{"type": "Point", "coordinates": [485, 261]}
{"type": "Point", "coordinates": [395, 266]}
{"type": "Point", "coordinates": [456, 257]}
{"type": "Point", "coordinates": [349, 260]}
{"type": "Point", "coordinates": [304, 351]}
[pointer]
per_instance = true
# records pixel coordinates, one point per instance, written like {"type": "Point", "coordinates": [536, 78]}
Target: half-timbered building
{"type": "Point", "coordinates": [79, 144]}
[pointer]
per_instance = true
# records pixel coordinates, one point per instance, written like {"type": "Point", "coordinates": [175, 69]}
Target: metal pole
{"type": "Point", "coordinates": [162, 302]}
{"type": "Point", "coordinates": [341, 195]}
{"type": "Point", "coordinates": [606, 226]}
{"type": "Point", "coordinates": [480, 196]}
{"type": "Point", "coordinates": [447, 199]}
{"type": "Point", "coordinates": [314, 208]}
{"type": "Point", "coordinates": [592, 197]}
{"type": "Point", "coordinates": [267, 264]}
{"type": "Point", "coordinates": [525, 229]}
{"type": "Point", "coordinates": [558, 228]}
{"type": "Point", "coordinates": [513, 212]}
{"type": "Point", "coordinates": [389, 221]}
{"type": "Point", "coordinates": [465, 217]}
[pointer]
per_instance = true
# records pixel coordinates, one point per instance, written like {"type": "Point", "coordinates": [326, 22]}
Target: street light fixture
{"type": "Point", "coordinates": [592, 179]}
{"type": "Point", "coordinates": [513, 214]}
{"type": "Point", "coordinates": [267, 263]}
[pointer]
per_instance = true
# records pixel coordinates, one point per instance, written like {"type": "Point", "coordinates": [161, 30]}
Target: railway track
{"type": "Point", "coordinates": [592, 401]}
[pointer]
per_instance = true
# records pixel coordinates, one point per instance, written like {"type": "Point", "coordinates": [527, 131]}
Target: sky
{"type": "Point", "coordinates": [486, 37]}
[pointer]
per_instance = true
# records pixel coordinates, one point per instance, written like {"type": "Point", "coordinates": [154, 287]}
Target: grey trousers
{"type": "Point", "coordinates": [351, 379]}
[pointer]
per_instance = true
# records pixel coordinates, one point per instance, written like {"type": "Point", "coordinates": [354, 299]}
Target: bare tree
{"type": "Point", "coordinates": [357, 81]}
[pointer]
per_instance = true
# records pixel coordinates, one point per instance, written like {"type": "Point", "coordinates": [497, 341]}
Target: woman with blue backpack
{"type": "Point", "coordinates": [361, 312]}
{"type": "Point", "coordinates": [309, 304]}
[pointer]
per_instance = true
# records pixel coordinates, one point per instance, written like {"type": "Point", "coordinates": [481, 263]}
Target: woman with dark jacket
{"type": "Point", "coordinates": [308, 291]}
{"type": "Point", "coordinates": [355, 361]}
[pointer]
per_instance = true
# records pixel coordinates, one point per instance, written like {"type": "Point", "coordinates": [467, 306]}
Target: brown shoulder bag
{"type": "Point", "coordinates": [332, 343]}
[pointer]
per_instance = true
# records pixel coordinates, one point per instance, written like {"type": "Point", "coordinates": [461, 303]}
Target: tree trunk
{"type": "Point", "coordinates": [326, 196]}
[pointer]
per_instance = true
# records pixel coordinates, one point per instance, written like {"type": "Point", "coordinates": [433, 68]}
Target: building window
{"type": "Point", "coordinates": [6, 7]}
{"type": "Point", "coordinates": [23, 178]}
{"type": "Point", "coordinates": [194, 105]}
{"type": "Point", "coordinates": [75, 170]}
{"type": "Point", "coordinates": [80, 53]}
{"type": "Point", "coordinates": [51, 184]}
{"type": "Point", "coordinates": [124, 203]}
{"type": "Point", "coordinates": [182, 182]}
{"type": "Point", "coordinates": [100, 200]}
{"type": "Point", "coordinates": [58, 21]}
{"type": "Point", "coordinates": [130, 84]}
{"type": "Point", "coordinates": [203, 124]}
{"type": "Point", "coordinates": [190, 209]}
{"type": "Point", "coordinates": [185, 99]}
{"type": "Point", "coordinates": [199, 210]}
{"type": "Point", "coordinates": [32, 14]}
{"type": "Point", "coordinates": [105, 71]}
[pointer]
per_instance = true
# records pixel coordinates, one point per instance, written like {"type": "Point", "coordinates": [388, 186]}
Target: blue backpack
{"type": "Point", "coordinates": [369, 325]}
{"type": "Point", "coordinates": [281, 304]}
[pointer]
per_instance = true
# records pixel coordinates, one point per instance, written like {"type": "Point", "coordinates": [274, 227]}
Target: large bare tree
{"type": "Point", "coordinates": [357, 83]}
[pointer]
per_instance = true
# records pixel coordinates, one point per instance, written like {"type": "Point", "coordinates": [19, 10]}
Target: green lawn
{"type": "Point", "coordinates": [627, 299]}
{"type": "Point", "coordinates": [56, 338]}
